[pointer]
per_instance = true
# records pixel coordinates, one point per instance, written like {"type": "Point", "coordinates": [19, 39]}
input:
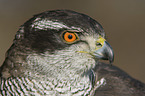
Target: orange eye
{"type": "Point", "coordinates": [70, 37]}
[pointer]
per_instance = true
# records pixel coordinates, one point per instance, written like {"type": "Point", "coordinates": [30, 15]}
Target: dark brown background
{"type": "Point", "coordinates": [123, 21]}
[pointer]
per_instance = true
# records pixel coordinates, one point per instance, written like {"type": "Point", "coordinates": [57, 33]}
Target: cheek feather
{"type": "Point", "coordinates": [66, 61]}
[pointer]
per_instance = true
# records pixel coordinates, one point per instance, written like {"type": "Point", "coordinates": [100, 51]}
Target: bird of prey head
{"type": "Point", "coordinates": [57, 47]}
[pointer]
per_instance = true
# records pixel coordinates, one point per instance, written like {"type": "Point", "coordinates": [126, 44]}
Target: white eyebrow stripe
{"type": "Point", "coordinates": [47, 24]}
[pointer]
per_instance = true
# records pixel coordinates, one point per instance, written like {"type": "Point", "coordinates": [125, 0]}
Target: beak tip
{"type": "Point", "coordinates": [111, 60]}
{"type": "Point", "coordinates": [111, 57]}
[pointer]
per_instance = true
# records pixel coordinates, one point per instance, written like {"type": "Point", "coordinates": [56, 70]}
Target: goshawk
{"type": "Point", "coordinates": [58, 53]}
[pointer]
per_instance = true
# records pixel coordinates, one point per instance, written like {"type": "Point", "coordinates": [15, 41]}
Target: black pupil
{"type": "Point", "coordinates": [70, 36]}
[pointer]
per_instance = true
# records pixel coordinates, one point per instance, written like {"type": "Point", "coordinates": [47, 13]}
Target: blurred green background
{"type": "Point", "coordinates": [123, 22]}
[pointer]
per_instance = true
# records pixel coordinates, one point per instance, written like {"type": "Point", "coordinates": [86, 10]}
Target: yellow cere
{"type": "Point", "coordinates": [101, 40]}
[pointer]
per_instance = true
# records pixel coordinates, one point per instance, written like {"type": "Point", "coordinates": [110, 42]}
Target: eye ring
{"type": "Point", "coordinates": [70, 37]}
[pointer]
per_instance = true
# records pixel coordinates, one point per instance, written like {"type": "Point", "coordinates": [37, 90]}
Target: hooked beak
{"type": "Point", "coordinates": [105, 52]}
